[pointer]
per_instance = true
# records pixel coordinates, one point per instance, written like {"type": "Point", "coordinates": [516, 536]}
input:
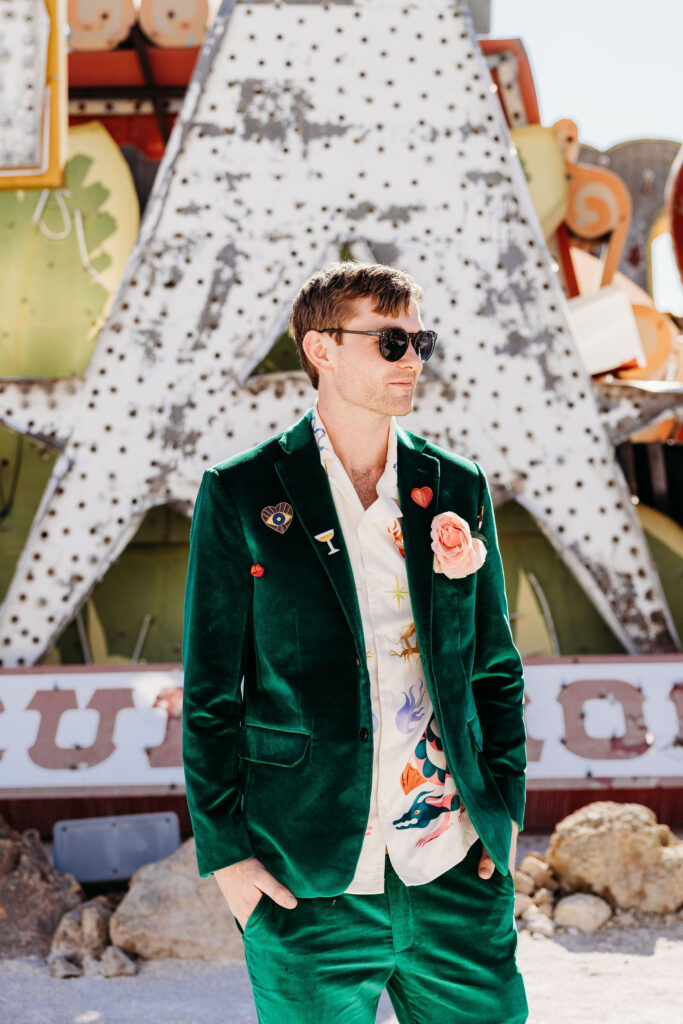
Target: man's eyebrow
{"type": "Point", "coordinates": [382, 327]}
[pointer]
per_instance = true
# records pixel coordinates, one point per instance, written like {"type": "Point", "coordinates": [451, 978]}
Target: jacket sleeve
{"type": "Point", "coordinates": [498, 672]}
{"type": "Point", "coordinates": [216, 623]}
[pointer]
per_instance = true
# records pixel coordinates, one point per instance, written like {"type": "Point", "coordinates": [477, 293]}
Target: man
{"type": "Point", "coordinates": [359, 803]}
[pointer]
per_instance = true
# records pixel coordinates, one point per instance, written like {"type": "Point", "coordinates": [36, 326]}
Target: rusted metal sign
{"type": "Point", "coordinates": [306, 127]}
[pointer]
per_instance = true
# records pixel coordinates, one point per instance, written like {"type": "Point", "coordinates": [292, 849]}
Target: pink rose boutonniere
{"type": "Point", "coordinates": [456, 552]}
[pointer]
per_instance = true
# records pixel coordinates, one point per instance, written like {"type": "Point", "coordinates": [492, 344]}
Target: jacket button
{"type": "Point", "coordinates": [363, 734]}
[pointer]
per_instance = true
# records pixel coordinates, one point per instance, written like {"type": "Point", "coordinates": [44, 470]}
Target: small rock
{"type": "Point", "coordinates": [582, 910]}
{"type": "Point", "coordinates": [522, 901]}
{"type": "Point", "coordinates": [537, 922]}
{"type": "Point", "coordinates": [68, 937]}
{"type": "Point", "coordinates": [547, 910]}
{"type": "Point", "coordinates": [542, 899]}
{"type": "Point", "coordinates": [537, 869]}
{"type": "Point", "coordinates": [62, 967]}
{"type": "Point", "coordinates": [115, 963]}
{"type": "Point", "coordinates": [94, 926]}
{"type": "Point", "coordinates": [524, 883]}
{"type": "Point", "coordinates": [83, 929]}
{"type": "Point", "coordinates": [542, 896]}
{"type": "Point", "coordinates": [92, 966]}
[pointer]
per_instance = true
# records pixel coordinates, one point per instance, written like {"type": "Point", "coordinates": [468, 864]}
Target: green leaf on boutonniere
{"type": "Point", "coordinates": [475, 533]}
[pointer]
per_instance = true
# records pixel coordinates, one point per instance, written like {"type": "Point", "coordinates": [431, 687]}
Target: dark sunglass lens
{"type": "Point", "coordinates": [393, 343]}
{"type": "Point", "coordinates": [424, 344]}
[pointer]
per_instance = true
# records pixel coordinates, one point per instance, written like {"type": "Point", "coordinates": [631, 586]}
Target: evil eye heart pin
{"type": "Point", "coordinates": [278, 517]}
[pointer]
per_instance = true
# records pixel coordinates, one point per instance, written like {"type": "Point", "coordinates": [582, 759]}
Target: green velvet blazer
{"type": "Point", "coordinates": [281, 769]}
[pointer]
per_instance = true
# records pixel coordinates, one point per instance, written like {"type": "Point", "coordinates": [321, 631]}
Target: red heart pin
{"type": "Point", "coordinates": [422, 496]}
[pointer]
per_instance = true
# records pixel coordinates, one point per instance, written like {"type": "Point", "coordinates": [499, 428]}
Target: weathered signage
{"type": "Point", "coordinates": [90, 729]}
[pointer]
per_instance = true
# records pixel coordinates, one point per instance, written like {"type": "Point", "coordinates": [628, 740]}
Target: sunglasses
{"type": "Point", "coordinates": [393, 342]}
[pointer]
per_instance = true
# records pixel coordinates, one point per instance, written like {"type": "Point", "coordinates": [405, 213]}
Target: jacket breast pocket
{"type": "Point", "coordinates": [267, 744]}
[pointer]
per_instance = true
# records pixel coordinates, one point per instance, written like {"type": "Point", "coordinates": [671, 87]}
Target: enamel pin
{"type": "Point", "coordinates": [278, 517]}
{"type": "Point", "coordinates": [422, 496]}
{"type": "Point", "coordinates": [327, 535]}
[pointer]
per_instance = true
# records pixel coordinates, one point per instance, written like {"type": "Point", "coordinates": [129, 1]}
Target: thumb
{"type": "Point", "coordinates": [486, 865]}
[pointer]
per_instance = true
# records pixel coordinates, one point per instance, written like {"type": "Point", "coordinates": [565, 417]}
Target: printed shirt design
{"type": "Point", "coordinates": [415, 812]}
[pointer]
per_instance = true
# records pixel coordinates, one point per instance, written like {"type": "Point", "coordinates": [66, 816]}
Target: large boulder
{"type": "Point", "coordinates": [33, 896]}
{"type": "Point", "coordinates": [620, 852]}
{"type": "Point", "coordinates": [169, 911]}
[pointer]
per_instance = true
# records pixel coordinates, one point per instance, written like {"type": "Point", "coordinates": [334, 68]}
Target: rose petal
{"type": "Point", "coordinates": [471, 565]}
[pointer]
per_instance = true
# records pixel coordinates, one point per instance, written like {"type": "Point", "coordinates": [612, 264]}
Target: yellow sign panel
{"type": "Point", "coordinates": [35, 94]}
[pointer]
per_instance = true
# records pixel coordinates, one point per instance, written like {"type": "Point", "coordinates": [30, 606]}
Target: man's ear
{"type": "Point", "coordinates": [315, 345]}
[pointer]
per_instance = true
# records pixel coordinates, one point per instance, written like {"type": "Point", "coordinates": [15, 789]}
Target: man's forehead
{"type": "Point", "coordinates": [365, 307]}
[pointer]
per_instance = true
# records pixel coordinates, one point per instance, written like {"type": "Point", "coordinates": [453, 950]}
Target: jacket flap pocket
{"type": "Point", "coordinates": [474, 726]}
{"type": "Point", "coordinates": [266, 744]}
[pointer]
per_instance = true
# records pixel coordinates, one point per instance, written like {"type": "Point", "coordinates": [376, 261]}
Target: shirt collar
{"type": "Point", "coordinates": [387, 485]}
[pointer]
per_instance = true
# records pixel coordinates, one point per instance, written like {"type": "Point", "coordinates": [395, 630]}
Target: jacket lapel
{"type": "Point", "coordinates": [417, 469]}
{"type": "Point", "coordinates": [305, 481]}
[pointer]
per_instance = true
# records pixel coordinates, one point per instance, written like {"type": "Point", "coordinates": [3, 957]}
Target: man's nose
{"type": "Point", "coordinates": [410, 356]}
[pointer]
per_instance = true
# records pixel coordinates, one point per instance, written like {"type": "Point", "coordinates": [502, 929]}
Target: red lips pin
{"type": "Point", "coordinates": [257, 570]}
{"type": "Point", "coordinates": [422, 496]}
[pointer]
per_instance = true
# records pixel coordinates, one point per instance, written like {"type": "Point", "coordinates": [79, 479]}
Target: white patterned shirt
{"type": "Point", "coordinates": [415, 813]}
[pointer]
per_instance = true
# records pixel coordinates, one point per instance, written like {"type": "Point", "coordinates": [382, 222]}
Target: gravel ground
{"type": "Point", "coordinates": [617, 976]}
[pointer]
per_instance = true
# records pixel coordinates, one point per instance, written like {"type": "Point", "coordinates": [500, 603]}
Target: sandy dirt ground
{"type": "Point", "coordinates": [617, 976]}
{"type": "Point", "coordinates": [633, 978]}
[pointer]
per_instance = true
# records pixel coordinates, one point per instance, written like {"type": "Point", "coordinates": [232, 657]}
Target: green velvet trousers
{"type": "Point", "coordinates": [445, 951]}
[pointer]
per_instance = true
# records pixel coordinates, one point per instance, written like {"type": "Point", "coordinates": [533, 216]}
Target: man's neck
{"type": "Point", "coordinates": [360, 439]}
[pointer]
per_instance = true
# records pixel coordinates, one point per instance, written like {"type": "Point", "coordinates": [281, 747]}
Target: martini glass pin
{"type": "Point", "coordinates": [327, 535]}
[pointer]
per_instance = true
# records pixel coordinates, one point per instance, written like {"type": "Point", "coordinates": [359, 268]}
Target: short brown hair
{"type": "Point", "coordinates": [326, 299]}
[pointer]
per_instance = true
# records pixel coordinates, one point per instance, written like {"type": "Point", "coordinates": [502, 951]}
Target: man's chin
{"type": "Point", "coordinates": [402, 406]}
{"type": "Point", "coordinates": [401, 398]}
